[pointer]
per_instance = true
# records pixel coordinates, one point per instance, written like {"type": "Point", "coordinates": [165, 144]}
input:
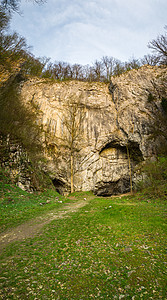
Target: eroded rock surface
{"type": "Point", "coordinates": [112, 119]}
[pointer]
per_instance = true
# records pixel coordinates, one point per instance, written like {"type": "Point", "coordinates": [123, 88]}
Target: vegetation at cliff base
{"type": "Point", "coordinates": [154, 173]}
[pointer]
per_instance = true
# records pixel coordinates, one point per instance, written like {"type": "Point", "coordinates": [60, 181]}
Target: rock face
{"type": "Point", "coordinates": [15, 160]}
{"type": "Point", "coordinates": [108, 122]}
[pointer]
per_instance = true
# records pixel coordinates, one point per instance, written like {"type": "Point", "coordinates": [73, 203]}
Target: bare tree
{"type": "Point", "coordinates": [159, 47]}
{"type": "Point", "coordinates": [109, 64]}
{"type": "Point", "coordinates": [130, 170]}
{"type": "Point", "coordinates": [119, 68]}
{"type": "Point", "coordinates": [77, 71]}
{"type": "Point", "coordinates": [149, 59]}
{"type": "Point", "coordinates": [72, 121]}
{"type": "Point", "coordinates": [133, 63]}
{"type": "Point", "coordinates": [98, 70]}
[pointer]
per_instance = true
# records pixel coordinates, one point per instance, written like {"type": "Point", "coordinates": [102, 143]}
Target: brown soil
{"type": "Point", "coordinates": [33, 227]}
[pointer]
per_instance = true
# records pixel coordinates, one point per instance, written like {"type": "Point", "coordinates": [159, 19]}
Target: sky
{"type": "Point", "coordinates": [82, 31]}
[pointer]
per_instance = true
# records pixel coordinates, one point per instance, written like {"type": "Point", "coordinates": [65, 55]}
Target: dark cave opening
{"type": "Point", "coordinates": [59, 185]}
{"type": "Point", "coordinates": [107, 189]}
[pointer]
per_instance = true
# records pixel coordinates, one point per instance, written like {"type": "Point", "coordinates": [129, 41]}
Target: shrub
{"type": "Point", "coordinates": [155, 177]}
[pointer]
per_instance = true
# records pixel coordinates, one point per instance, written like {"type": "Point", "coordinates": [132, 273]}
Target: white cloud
{"type": "Point", "coordinates": [82, 31]}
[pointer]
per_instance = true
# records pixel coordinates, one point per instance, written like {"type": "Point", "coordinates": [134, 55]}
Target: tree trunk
{"type": "Point", "coordinates": [72, 172]}
{"type": "Point", "coordinates": [130, 171]}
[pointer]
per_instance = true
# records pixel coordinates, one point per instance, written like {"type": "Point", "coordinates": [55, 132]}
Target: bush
{"type": "Point", "coordinates": [155, 177]}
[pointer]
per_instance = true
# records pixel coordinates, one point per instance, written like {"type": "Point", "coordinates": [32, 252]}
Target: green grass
{"type": "Point", "coordinates": [112, 248]}
{"type": "Point", "coordinates": [18, 206]}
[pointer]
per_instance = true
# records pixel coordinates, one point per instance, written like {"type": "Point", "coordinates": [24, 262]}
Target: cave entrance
{"type": "Point", "coordinates": [59, 185]}
{"type": "Point", "coordinates": [133, 147]}
{"type": "Point", "coordinates": [107, 189]}
{"type": "Point", "coordinates": [116, 166]}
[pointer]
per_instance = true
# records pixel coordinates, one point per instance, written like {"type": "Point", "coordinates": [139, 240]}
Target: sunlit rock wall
{"type": "Point", "coordinates": [113, 119]}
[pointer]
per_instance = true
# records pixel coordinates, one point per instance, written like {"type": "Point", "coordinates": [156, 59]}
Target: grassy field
{"type": "Point", "coordinates": [112, 248]}
{"type": "Point", "coordinates": [17, 206]}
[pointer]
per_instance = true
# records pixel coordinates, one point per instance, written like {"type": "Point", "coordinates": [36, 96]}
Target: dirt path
{"type": "Point", "coordinates": [32, 227]}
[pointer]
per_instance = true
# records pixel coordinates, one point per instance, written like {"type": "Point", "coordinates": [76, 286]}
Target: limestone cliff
{"type": "Point", "coordinates": [114, 117]}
